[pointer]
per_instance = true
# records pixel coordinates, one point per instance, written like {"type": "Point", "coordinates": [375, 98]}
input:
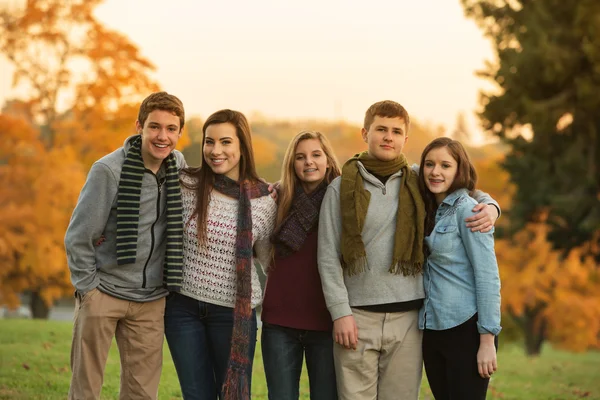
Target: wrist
{"type": "Point", "coordinates": [486, 339]}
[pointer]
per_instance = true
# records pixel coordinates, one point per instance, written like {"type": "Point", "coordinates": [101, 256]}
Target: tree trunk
{"type": "Point", "coordinates": [39, 308]}
{"type": "Point", "coordinates": [535, 334]}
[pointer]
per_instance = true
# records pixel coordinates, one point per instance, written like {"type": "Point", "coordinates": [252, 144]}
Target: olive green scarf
{"type": "Point", "coordinates": [354, 202]}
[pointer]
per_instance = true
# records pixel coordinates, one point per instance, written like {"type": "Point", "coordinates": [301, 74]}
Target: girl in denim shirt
{"type": "Point", "coordinates": [461, 313]}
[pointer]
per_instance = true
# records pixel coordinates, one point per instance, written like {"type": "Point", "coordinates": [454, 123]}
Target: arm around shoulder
{"type": "Point", "coordinates": [262, 245]}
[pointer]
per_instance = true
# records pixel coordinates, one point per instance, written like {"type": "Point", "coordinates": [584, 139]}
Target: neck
{"type": "Point", "coordinates": [439, 197]}
{"type": "Point", "coordinates": [154, 167]}
{"type": "Point", "coordinates": [151, 163]}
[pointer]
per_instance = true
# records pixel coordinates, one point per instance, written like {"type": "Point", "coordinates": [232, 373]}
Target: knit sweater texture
{"type": "Point", "coordinates": [209, 271]}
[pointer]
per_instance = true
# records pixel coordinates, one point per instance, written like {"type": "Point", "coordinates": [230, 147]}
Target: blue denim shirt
{"type": "Point", "coordinates": [461, 272]}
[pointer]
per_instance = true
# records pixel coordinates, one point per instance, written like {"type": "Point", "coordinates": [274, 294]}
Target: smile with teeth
{"type": "Point", "coordinates": [217, 161]}
{"type": "Point", "coordinates": [310, 170]}
{"type": "Point", "coordinates": [160, 145]}
{"type": "Point", "coordinates": [435, 181]}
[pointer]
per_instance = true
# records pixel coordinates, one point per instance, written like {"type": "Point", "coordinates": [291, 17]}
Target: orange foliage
{"type": "Point", "coordinates": [85, 84]}
{"type": "Point", "coordinates": [39, 190]}
{"type": "Point", "coordinates": [494, 180]}
{"type": "Point", "coordinates": [563, 291]}
{"type": "Point", "coordinates": [265, 152]}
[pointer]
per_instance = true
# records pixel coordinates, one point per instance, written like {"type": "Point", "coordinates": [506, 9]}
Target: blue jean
{"type": "Point", "coordinates": [283, 350]}
{"type": "Point", "coordinates": [199, 338]}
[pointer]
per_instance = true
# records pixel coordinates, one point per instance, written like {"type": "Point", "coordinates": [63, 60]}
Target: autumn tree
{"type": "Point", "coordinates": [550, 296]}
{"type": "Point", "coordinates": [84, 83]}
{"type": "Point", "coordinates": [545, 107]}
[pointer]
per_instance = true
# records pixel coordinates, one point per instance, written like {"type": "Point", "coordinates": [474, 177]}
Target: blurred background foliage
{"type": "Point", "coordinates": [85, 82]}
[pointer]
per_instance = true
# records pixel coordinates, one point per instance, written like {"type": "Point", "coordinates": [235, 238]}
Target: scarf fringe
{"type": "Point", "coordinates": [357, 266]}
{"type": "Point", "coordinates": [406, 268]}
{"type": "Point", "coordinates": [236, 386]}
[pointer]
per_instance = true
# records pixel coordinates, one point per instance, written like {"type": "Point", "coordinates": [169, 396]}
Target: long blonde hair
{"type": "Point", "coordinates": [289, 180]}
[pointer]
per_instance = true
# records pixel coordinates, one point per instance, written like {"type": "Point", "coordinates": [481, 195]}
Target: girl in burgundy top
{"type": "Point", "coordinates": [295, 319]}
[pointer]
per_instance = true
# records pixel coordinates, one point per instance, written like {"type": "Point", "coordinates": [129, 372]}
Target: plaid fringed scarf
{"type": "Point", "coordinates": [303, 217]}
{"type": "Point", "coordinates": [128, 213]}
{"type": "Point", "coordinates": [237, 382]}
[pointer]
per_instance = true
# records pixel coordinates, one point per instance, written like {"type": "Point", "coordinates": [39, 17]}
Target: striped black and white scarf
{"type": "Point", "coordinates": [128, 214]}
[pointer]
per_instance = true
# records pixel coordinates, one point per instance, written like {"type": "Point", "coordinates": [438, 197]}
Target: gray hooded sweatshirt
{"type": "Point", "coordinates": [92, 260]}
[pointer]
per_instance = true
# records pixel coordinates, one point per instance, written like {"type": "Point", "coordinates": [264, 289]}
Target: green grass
{"type": "Point", "coordinates": [34, 364]}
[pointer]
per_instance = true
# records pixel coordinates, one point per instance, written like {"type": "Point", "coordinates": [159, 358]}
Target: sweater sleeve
{"type": "Point", "coordinates": [483, 197]}
{"type": "Point", "coordinates": [87, 226]}
{"type": "Point", "coordinates": [328, 255]}
{"type": "Point", "coordinates": [480, 250]}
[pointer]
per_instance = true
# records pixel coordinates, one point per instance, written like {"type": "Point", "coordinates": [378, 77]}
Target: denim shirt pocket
{"type": "Point", "coordinates": [445, 238]}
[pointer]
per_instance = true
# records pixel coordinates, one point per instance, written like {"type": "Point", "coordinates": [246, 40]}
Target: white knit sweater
{"type": "Point", "coordinates": [209, 270]}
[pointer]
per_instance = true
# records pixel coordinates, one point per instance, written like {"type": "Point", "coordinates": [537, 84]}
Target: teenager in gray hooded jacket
{"type": "Point", "coordinates": [124, 250]}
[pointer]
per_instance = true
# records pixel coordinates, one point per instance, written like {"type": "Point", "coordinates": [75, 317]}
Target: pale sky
{"type": "Point", "coordinates": [325, 59]}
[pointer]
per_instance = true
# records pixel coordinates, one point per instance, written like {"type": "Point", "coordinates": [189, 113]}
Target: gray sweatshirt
{"type": "Point", "coordinates": [93, 263]}
{"type": "Point", "coordinates": [376, 285]}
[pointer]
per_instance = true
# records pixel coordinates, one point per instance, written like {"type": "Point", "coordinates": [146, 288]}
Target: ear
{"type": "Point", "coordinates": [365, 135]}
{"type": "Point", "coordinates": [138, 126]}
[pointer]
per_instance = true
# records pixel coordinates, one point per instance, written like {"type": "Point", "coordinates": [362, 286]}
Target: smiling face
{"type": "Point", "coordinates": [222, 150]}
{"type": "Point", "coordinates": [386, 137]}
{"type": "Point", "coordinates": [439, 171]}
{"type": "Point", "coordinates": [310, 164]}
{"type": "Point", "coordinates": [160, 134]}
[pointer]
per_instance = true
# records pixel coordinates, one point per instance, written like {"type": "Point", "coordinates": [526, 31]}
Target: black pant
{"type": "Point", "coordinates": [450, 358]}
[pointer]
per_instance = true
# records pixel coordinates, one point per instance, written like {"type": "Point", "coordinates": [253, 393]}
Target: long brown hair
{"type": "Point", "coordinates": [205, 177]}
{"type": "Point", "coordinates": [289, 180]}
{"type": "Point", "coordinates": [466, 176]}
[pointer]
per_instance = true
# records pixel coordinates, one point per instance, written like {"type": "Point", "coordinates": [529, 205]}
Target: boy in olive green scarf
{"type": "Point", "coordinates": [370, 259]}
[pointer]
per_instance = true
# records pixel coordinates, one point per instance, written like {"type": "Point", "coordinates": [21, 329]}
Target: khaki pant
{"type": "Point", "coordinates": [387, 363]}
{"type": "Point", "coordinates": [138, 329]}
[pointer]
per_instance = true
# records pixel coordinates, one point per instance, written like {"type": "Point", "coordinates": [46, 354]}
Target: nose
{"type": "Point", "coordinates": [216, 148]}
{"type": "Point", "coordinates": [308, 161]}
{"type": "Point", "coordinates": [162, 133]}
{"type": "Point", "coordinates": [435, 170]}
{"type": "Point", "coordinates": [388, 136]}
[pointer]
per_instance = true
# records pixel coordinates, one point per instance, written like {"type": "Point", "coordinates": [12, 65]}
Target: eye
{"type": "Point", "coordinates": [172, 129]}
{"type": "Point", "coordinates": [299, 157]}
{"type": "Point", "coordinates": [428, 164]}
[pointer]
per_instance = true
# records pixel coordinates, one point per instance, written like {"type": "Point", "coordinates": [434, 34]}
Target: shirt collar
{"type": "Point", "coordinates": [452, 197]}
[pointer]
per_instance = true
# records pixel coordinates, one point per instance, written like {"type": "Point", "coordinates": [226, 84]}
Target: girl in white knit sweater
{"type": "Point", "coordinates": [228, 216]}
